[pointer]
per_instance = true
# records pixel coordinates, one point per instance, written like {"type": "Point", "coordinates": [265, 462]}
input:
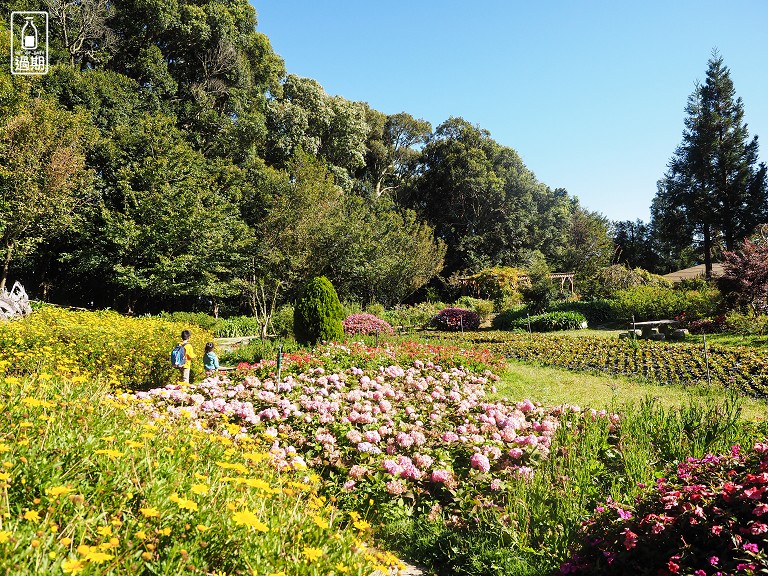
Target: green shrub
{"type": "Point", "coordinates": [547, 322]}
{"type": "Point", "coordinates": [238, 326]}
{"type": "Point", "coordinates": [506, 320]}
{"type": "Point", "coordinates": [595, 311]}
{"type": "Point", "coordinates": [658, 302]}
{"type": "Point", "coordinates": [257, 350]}
{"type": "Point", "coordinates": [610, 280]}
{"type": "Point", "coordinates": [205, 321]}
{"type": "Point", "coordinates": [750, 324]}
{"type": "Point", "coordinates": [375, 308]}
{"type": "Point", "coordinates": [318, 313]}
{"type": "Point", "coordinates": [499, 284]}
{"type": "Point", "coordinates": [416, 316]}
{"type": "Point", "coordinates": [282, 321]}
{"type": "Point", "coordinates": [484, 308]}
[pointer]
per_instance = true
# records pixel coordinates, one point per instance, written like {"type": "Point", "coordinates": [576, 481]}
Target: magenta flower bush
{"type": "Point", "coordinates": [365, 324]}
{"type": "Point", "coordinates": [455, 319]}
{"type": "Point", "coordinates": [708, 519]}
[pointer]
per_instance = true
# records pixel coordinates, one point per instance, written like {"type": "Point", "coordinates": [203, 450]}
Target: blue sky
{"type": "Point", "coordinates": [590, 94]}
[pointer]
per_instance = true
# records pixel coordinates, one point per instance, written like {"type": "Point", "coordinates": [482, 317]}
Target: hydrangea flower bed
{"type": "Point", "coordinates": [365, 324]}
{"type": "Point", "coordinates": [709, 519]}
{"type": "Point", "coordinates": [419, 429]}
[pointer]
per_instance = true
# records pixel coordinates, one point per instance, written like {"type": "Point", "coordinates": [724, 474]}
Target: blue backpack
{"type": "Point", "coordinates": [178, 356]}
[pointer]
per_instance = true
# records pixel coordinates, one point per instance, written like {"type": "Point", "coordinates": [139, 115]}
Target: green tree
{"type": "Point", "coordinates": [43, 179]}
{"type": "Point", "coordinates": [318, 313]}
{"type": "Point", "coordinates": [714, 189]}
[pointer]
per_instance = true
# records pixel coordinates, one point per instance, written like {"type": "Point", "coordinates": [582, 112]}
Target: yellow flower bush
{"type": "Point", "coordinates": [76, 345]}
{"type": "Point", "coordinates": [89, 486]}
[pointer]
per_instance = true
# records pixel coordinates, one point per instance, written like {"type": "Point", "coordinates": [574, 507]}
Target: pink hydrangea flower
{"type": "Point", "coordinates": [480, 462]}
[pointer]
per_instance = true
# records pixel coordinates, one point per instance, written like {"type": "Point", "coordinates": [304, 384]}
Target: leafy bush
{"type": "Point", "coordinates": [205, 321]}
{"type": "Point", "coordinates": [282, 321]}
{"type": "Point", "coordinates": [612, 279]}
{"type": "Point", "coordinates": [703, 325]}
{"type": "Point", "coordinates": [416, 316]}
{"type": "Point", "coordinates": [454, 319]}
{"type": "Point", "coordinates": [257, 350]}
{"type": "Point", "coordinates": [498, 284]}
{"type": "Point", "coordinates": [484, 308]}
{"type": "Point", "coordinates": [237, 326]}
{"type": "Point", "coordinates": [318, 313]}
{"type": "Point", "coordinates": [505, 320]}
{"type": "Point", "coordinates": [657, 302]}
{"type": "Point", "coordinates": [547, 322]}
{"type": "Point", "coordinates": [749, 324]}
{"type": "Point", "coordinates": [365, 324]}
{"type": "Point", "coordinates": [710, 517]}
{"type": "Point", "coordinates": [595, 311]}
{"type": "Point", "coordinates": [375, 308]}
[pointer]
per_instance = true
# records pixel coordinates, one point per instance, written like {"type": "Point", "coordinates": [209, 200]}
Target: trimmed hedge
{"type": "Point", "coordinates": [318, 313]}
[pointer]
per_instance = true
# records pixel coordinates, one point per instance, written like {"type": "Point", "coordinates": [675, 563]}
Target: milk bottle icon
{"type": "Point", "coordinates": [29, 34]}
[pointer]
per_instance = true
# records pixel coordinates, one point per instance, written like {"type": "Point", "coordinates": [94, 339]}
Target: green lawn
{"type": "Point", "coordinates": [557, 386]}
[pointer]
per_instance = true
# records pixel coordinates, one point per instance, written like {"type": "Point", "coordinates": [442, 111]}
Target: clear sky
{"type": "Point", "coordinates": [591, 94]}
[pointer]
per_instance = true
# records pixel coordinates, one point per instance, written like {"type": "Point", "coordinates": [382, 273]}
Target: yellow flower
{"type": "Point", "coordinates": [200, 489]}
{"type": "Point", "coordinates": [32, 516]}
{"type": "Point", "coordinates": [104, 530]}
{"type": "Point", "coordinates": [56, 491]}
{"type": "Point", "coordinates": [321, 522]}
{"type": "Point", "coordinates": [342, 568]}
{"type": "Point", "coordinates": [35, 543]}
{"type": "Point", "coordinates": [133, 444]}
{"type": "Point", "coordinates": [272, 574]}
{"type": "Point", "coordinates": [183, 503]}
{"type": "Point", "coordinates": [83, 549]}
{"type": "Point", "coordinates": [312, 554]}
{"type": "Point", "coordinates": [98, 557]}
{"type": "Point", "coordinates": [166, 531]}
{"type": "Point", "coordinates": [65, 541]}
{"type": "Point", "coordinates": [141, 535]}
{"type": "Point", "coordinates": [361, 525]}
{"type": "Point", "coordinates": [249, 519]}
{"type": "Point", "coordinates": [72, 566]}
{"type": "Point", "coordinates": [4, 476]}
{"type": "Point", "coordinates": [111, 453]}
{"type": "Point", "coordinates": [202, 528]}
{"type": "Point", "coordinates": [108, 438]}
{"type": "Point", "coordinates": [4, 536]}
{"type": "Point", "coordinates": [150, 512]}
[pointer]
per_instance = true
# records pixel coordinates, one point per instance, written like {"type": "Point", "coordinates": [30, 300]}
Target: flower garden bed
{"type": "Point", "coordinates": [738, 368]}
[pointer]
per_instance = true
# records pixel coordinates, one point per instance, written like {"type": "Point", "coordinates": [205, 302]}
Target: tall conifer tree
{"type": "Point", "coordinates": [714, 189]}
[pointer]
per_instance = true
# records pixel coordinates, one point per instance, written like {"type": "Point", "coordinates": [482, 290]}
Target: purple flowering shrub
{"type": "Point", "coordinates": [365, 324]}
{"type": "Point", "coordinates": [454, 319]}
{"type": "Point", "coordinates": [708, 519]}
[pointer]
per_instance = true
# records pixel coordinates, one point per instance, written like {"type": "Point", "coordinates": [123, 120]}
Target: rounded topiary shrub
{"type": "Point", "coordinates": [365, 324]}
{"type": "Point", "coordinates": [709, 518]}
{"type": "Point", "coordinates": [454, 319]}
{"type": "Point", "coordinates": [318, 313]}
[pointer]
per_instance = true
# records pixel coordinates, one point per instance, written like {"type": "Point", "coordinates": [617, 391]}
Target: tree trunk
{"type": "Point", "coordinates": [6, 264]}
{"type": "Point", "coordinates": [707, 252]}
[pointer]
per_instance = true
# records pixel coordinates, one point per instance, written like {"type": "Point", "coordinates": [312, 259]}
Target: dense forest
{"type": "Point", "coordinates": [168, 160]}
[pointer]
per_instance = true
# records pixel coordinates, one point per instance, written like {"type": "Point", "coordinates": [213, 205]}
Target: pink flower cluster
{"type": "Point", "coordinates": [419, 429]}
{"type": "Point", "coordinates": [365, 324]}
{"type": "Point", "coordinates": [710, 518]}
